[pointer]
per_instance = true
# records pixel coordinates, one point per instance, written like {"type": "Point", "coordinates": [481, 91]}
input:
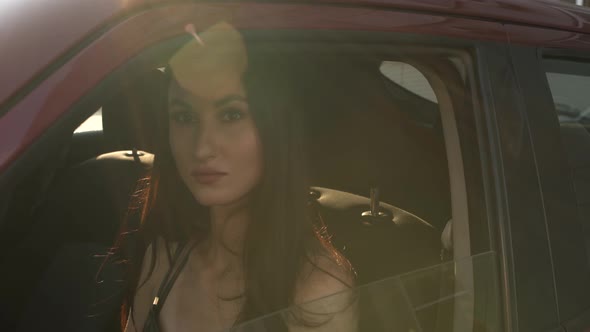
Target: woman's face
{"type": "Point", "coordinates": [214, 140]}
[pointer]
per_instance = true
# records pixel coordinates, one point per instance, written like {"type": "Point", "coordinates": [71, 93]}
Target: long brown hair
{"type": "Point", "coordinates": [283, 232]}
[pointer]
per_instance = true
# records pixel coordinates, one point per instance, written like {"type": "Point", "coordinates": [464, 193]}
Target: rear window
{"type": "Point", "coordinates": [409, 78]}
{"type": "Point", "coordinates": [93, 123]}
{"type": "Point", "coordinates": [571, 104]}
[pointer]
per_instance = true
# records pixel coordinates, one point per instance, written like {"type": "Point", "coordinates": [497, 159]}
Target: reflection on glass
{"type": "Point", "coordinates": [571, 106]}
{"type": "Point", "coordinates": [409, 78]}
{"type": "Point", "coordinates": [423, 300]}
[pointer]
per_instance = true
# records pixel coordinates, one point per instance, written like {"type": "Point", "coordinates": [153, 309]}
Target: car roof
{"type": "Point", "coordinates": [552, 14]}
{"type": "Point", "coordinates": [34, 35]}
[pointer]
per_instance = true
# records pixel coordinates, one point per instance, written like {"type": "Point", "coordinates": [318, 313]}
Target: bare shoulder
{"type": "Point", "coordinates": [325, 298]}
{"type": "Point", "coordinates": [323, 275]}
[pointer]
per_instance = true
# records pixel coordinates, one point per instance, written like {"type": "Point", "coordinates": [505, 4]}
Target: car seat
{"type": "Point", "coordinates": [81, 218]}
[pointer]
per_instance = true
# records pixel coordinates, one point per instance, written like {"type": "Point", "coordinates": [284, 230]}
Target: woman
{"type": "Point", "coordinates": [227, 230]}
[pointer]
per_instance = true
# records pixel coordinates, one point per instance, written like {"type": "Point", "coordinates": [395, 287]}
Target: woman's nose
{"type": "Point", "coordinates": [204, 138]}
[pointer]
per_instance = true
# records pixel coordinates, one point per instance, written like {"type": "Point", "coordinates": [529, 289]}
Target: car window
{"type": "Point", "coordinates": [406, 83]}
{"type": "Point", "coordinates": [572, 107]}
{"type": "Point", "coordinates": [409, 78]}
{"type": "Point", "coordinates": [93, 123]}
{"type": "Point", "coordinates": [566, 170]}
{"type": "Point", "coordinates": [376, 126]}
{"type": "Point", "coordinates": [386, 169]}
{"type": "Point", "coordinates": [424, 300]}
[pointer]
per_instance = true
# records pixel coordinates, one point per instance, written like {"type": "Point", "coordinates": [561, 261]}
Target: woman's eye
{"type": "Point", "coordinates": [183, 117]}
{"type": "Point", "coordinates": [232, 115]}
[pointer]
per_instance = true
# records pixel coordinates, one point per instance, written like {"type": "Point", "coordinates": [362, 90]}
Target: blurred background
{"type": "Point", "coordinates": [579, 2]}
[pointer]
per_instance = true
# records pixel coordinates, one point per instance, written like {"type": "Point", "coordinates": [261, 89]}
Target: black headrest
{"type": "Point", "coordinates": [129, 118]}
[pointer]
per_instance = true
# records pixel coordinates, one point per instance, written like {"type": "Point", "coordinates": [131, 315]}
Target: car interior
{"type": "Point", "coordinates": [371, 140]}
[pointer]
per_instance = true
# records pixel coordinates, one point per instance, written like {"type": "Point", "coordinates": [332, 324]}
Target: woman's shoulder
{"type": "Point", "coordinates": [323, 275]}
{"type": "Point", "coordinates": [325, 297]}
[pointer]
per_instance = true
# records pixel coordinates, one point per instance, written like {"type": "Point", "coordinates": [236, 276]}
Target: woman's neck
{"type": "Point", "coordinates": [222, 249]}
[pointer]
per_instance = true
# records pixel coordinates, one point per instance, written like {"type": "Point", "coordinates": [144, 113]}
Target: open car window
{"type": "Point", "coordinates": [430, 299]}
{"type": "Point", "coordinates": [409, 78]}
{"type": "Point", "coordinates": [379, 121]}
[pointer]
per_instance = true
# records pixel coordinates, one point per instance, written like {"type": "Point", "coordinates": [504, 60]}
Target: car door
{"type": "Point", "coordinates": [486, 165]}
{"type": "Point", "coordinates": [554, 71]}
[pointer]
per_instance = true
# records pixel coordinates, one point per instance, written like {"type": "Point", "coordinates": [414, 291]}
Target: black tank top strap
{"type": "Point", "coordinates": [181, 255]}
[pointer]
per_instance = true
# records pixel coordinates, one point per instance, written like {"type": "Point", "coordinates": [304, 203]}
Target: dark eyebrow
{"type": "Point", "coordinates": [180, 103]}
{"type": "Point", "coordinates": [229, 99]}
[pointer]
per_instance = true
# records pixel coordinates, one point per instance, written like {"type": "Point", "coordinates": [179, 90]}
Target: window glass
{"type": "Point", "coordinates": [406, 84]}
{"type": "Point", "coordinates": [425, 300]}
{"type": "Point", "coordinates": [93, 123]}
{"type": "Point", "coordinates": [409, 78]}
{"type": "Point", "coordinates": [572, 106]}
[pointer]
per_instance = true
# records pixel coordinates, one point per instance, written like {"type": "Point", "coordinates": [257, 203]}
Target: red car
{"type": "Point", "coordinates": [438, 158]}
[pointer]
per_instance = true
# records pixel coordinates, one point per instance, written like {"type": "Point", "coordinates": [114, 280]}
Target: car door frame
{"type": "Point", "coordinates": [525, 251]}
{"type": "Point", "coordinates": [564, 235]}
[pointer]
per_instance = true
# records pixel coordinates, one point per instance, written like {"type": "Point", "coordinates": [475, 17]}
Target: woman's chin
{"type": "Point", "coordinates": [211, 201]}
{"type": "Point", "coordinates": [215, 200]}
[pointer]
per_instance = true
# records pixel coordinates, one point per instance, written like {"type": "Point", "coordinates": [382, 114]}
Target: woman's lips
{"type": "Point", "coordinates": [207, 177]}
